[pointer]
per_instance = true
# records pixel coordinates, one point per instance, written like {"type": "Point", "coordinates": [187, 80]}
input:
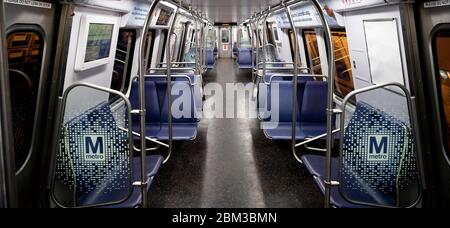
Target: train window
{"type": "Point", "coordinates": [25, 52]}
{"type": "Point", "coordinates": [124, 57]}
{"type": "Point", "coordinates": [312, 48]}
{"type": "Point", "coordinates": [244, 38]}
{"type": "Point", "coordinates": [344, 78]}
{"type": "Point", "coordinates": [442, 47]}
{"type": "Point", "coordinates": [225, 36]}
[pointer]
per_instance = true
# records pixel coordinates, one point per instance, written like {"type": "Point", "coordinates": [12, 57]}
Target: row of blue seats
{"type": "Point", "coordinates": [244, 58]}
{"type": "Point", "coordinates": [311, 107]}
{"type": "Point", "coordinates": [366, 179]}
{"type": "Point", "coordinates": [363, 180]}
{"type": "Point", "coordinates": [107, 175]}
{"type": "Point", "coordinates": [156, 97]}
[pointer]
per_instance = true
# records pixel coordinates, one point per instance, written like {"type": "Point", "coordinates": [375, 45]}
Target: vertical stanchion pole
{"type": "Point", "coordinates": [252, 40]}
{"type": "Point", "coordinates": [265, 44]}
{"type": "Point", "coordinates": [258, 38]}
{"type": "Point", "coordinates": [295, 79]}
{"type": "Point", "coordinates": [330, 105]}
{"type": "Point", "coordinates": [169, 82]}
{"type": "Point", "coordinates": [142, 110]}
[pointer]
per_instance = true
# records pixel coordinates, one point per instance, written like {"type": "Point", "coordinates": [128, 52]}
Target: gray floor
{"type": "Point", "coordinates": [232, 164]}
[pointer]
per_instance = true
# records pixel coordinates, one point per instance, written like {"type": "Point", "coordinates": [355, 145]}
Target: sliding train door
{"type": "Point", "coordinates": [225, 42]}
{"type": "Point", "coordinates": [435, 53]}
{"type": "Point", "coordinates": [29, 42]}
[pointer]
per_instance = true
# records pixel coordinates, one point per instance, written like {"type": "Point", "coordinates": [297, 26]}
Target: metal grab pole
{"type": "Point", "coordinates": [264, 45]}
{"type": "Point", "coordinates": [256, 68]}
{"type": "Point", "coordinates": [330, 106]}
{"type": "Point", "coordinates": [294, 80]}
{"type": "Point", "coordinates": [252, 41]}
{"type": "Point", "coordinates": [142, 111]}
{"type": "Point", "coordinates": [196, 43]}
{"type": "Point", "coordinates": [169, 83]}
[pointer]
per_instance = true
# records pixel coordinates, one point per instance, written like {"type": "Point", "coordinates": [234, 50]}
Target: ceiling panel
{"type": "Point", "coordinates": [228, 11]}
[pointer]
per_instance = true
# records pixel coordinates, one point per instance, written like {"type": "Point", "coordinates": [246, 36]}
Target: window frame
{"type": "Point", "coordinates": [126, 80]}
{"type": "Point", "coordinates": [310, 61]}
{"type": "Point", "coordinates": [440, 114]}
{"type": "Point", "coordinates": [342, 96]}
{"type": "Point", "coordinates": [34, 28]}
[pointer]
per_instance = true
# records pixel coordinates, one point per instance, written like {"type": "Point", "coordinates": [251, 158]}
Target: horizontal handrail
{"type": "Point", "coordinates": [315, 138]}
{"type": "Point", "coordinates": [299, 75]}
{"type": "Point", "coordinates": [173, 76]}
{"type": "Point", "coordinates": [175, 63]}
{"type": "Point", "coordinates": [182, 69]}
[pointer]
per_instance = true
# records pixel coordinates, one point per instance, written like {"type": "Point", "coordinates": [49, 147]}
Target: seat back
{"type": "Point", "coordinates": [284, 98]}
{"type": "Point", "coordinates": [153, 108]}
{"type": "Point", "coordinates": [183, 103]}
{"type": "Point", "coordinates": [284, 84]}
{"type": "Point", "coordinates": [378, 159]}
{"type": "Point", "coordinates": [211, 59]}
{"type": "Point", "coordinates": [183, 100]}
{"type": "Point", "coordinates": [94, 159]}
{"type": "Point", "coordinates": [314, 102]}
{"type": "Point", "coordinates": [245, 57]}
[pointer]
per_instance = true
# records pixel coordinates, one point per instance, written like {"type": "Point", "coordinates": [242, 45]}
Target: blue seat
{"type": "Point", "coordinates": [153, 115]}
{"type": "Point", "coordinates": [313, 115]}
{"type": "Point", "coordinates": [210, 58]}
{"type": "Point", "coordinates": [315, 164]}
{"type": "Point", "coordinates": [235, 51]}
{"type": "Point", "coordinates": [283, 130]}
{"type": "Point", "coordinates": [216, 51]}
{"type": "Point", "coordinates": [157, 127]}
{"type": "Point", "coordinates": [185, 127]}
{"type": "Point", "coordinates": [264, 91]}
{"type": "Point", "coordinates": [244, 58]}
{"type": "Point", "coordinates": [107, 177]}
{"type": "Point", "coordinates": [153, 165]}
{"type": "Point", "coordinates": [378, 162]}
{"type": "Point", "coordinates": [311, 110]}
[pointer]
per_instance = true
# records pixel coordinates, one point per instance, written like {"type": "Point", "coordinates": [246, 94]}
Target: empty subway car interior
{"type": "Point", "coordinates": [224, 104]}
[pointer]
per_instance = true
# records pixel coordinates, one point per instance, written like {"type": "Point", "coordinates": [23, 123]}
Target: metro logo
{"type": "Point", "coordinates": [94, 148]}
{"type": "Point", "coordinates": [378, 148]}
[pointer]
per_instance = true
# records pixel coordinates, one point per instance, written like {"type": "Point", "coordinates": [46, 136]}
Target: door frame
{"type": "Point", "coordinates": [229, 53]}
{"type": "Point", "coordinates": [8, 196]}
{"type": "Point", "coordinates": [436, 161]}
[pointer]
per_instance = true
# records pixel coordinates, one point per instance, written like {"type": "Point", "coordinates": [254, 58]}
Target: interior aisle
{"type": "Point", "coordinates": [232, 164]}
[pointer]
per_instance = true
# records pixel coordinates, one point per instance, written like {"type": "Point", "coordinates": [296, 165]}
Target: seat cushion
{"type": "Point", "coordinates": [181, 132]}
{"type": "Point", "coordinates": [310, 130]}
{"type": "Point", "coordinates": [284, 132]}
{"type": "Point", "coordinates": [336, 198]}
{"type": "Point", "coordinates": [316, 165]}
{"type": "Point", "coordinates": [151, 129]}
{"type": "Point", "coordinates": [154, 163]}
{"type": "Point", "coordinates": [314, 102]}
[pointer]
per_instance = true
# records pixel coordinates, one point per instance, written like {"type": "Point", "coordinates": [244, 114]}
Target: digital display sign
{"type": "Point", "coordinates": [98, 41]}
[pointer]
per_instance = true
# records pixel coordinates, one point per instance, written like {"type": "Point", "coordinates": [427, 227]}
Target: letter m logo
{"type": "Point", "coordinates": [378, 148]}
{"type": "Point", "coordinates": [94, 148]}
